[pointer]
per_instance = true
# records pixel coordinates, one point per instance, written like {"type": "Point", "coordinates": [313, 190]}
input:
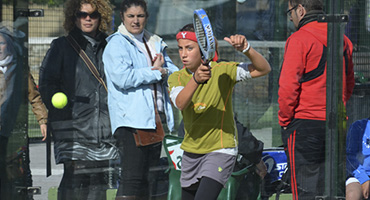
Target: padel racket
{"type": "Point", "coordinates": [204, 33]}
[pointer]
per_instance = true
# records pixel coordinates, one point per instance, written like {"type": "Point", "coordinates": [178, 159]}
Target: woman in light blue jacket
{"type": "Point", "coordinates": [137, 67]}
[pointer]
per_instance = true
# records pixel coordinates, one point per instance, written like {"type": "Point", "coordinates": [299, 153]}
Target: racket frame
{"type": "Point", "coordinates": [206, 40]}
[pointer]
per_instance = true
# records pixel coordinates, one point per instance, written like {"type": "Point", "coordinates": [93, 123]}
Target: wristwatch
{"type": "Point", "coordinates": [165, 72]}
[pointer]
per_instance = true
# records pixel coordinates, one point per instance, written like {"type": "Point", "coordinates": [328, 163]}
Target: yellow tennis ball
{"type": "Point", "coordinates": [59, 100]}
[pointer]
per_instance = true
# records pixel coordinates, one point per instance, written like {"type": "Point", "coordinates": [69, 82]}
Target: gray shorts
{"type": "Point", "coordinates": [214, 165]}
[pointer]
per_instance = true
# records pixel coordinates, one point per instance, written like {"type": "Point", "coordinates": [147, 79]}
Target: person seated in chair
{"type": "Point", "coordinates": [358, 160]}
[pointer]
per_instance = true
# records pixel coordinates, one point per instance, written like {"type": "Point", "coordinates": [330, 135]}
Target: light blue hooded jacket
{"type": "Point", "coordinates": [130, 99]}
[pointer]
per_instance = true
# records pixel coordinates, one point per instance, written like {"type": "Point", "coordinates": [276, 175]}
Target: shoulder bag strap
{"type": "Point", "coordinates": [158, 119]}
{"type": "Point", "coordinates": [151, 59]}
{"type": "Point", "coordinates": [86, 59]}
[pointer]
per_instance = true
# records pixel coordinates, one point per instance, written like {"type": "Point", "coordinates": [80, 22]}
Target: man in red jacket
{"type": "Point", "coordinates": [302, 96]}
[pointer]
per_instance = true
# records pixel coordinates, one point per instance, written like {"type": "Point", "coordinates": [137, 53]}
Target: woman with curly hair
{"type": "Point", "coordinates": [81, 130]}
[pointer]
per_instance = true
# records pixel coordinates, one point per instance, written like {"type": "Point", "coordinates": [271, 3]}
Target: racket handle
{"type": "Point", "coordinates": [209, 68]}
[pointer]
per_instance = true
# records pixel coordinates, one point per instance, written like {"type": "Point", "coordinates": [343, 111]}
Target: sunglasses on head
{"type": "Point", "coordinates": [83, 15]}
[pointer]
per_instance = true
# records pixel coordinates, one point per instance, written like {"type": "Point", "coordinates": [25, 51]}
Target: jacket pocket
{"type": "Point", "coordinates": [63, 130]}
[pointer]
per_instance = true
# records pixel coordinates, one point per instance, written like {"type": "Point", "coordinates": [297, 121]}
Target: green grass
{"type": "Point", "coordinates": [282, 197]}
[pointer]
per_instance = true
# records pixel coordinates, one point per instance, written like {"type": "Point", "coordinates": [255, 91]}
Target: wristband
{"type": "Point", "coordinates": [196, 80]}
{"type": "Point", "coordinates": [165, 72]}
{"type": "Point", "coordinates": [248, 47]}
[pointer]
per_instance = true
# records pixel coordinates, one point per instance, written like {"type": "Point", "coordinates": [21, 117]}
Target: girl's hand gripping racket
{"type": "Point", "coordinates": [204, 33]}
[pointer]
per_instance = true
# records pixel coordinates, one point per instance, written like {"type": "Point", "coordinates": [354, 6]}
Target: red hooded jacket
{"type": "Point", "coordinates": [302, 82]}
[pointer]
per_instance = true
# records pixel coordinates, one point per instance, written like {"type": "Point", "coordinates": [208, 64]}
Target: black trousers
{"type": "Point", "coordinates": [84, 180]}
{"type": "Point", "coordinates": [14, 171]}
{"type": "Point", "coordinates": [304, 145]}
{"type": "Point", "coordinates": [135, 163]}
{"type": "Point", "coordinates": [5, 188]}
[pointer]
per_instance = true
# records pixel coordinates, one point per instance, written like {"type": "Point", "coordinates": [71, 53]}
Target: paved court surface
{"type": "Point", "coordinates": [38, 164]}
{"type": "Point", "coordinates": [38, 168]}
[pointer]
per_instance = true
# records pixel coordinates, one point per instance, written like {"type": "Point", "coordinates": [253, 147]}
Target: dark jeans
{"type": "Point", "coordinates": [84, 180]}
{"type": "Point", "coordinates": [135, 163]}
